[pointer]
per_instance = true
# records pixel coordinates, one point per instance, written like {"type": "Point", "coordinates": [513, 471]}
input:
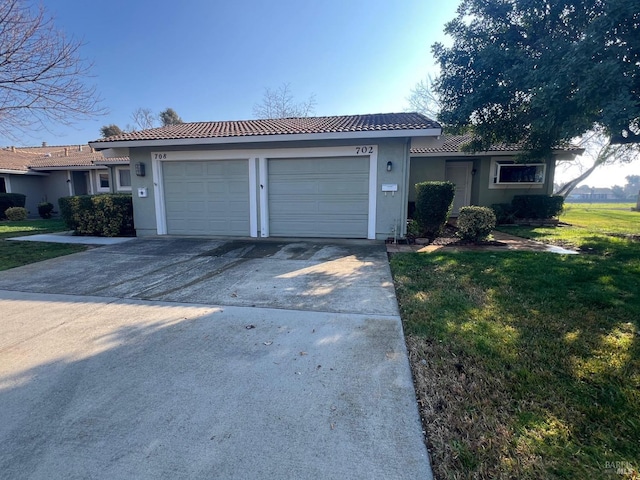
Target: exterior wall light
{"type": "Point", "coordinates": [389, 166]}
{"type": "Point", "coordinates": [140, 169]}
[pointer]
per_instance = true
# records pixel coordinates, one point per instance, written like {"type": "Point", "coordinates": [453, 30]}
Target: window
{"type": "Point", "coordinates": [123, 176]}
{"type": "Point", "coordinates": [103, 181]}
{"type": "Point", "coordinates": [507, 172]}
{"type": "Point", "coordinates": [3, 185]}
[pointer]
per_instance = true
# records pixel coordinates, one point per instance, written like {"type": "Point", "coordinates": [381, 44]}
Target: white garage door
{"type": "Point", "coordinates": [319, 197]}
{"type": "Point", "coordinates": [207, 197]}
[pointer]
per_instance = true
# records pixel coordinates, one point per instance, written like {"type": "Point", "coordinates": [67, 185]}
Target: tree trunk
{"type": "Point", "coordinates": [568, 187]}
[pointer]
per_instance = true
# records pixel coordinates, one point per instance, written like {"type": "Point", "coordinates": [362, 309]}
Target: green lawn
{"type": "Point", "coordinates": [14, 254]}
{"type": "Point", "coordinates": [527, 365]}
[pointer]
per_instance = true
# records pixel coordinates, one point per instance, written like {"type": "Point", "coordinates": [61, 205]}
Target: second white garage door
{"type": "Point", "coordinates": [207, 197]}
{"type": "Point", "coordinates": [319, 197]}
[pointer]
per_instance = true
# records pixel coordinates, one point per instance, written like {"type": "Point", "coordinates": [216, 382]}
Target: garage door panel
{"type": "Point", "coordinates": [207, 197]}
{"type": "Point", "coordinates": [319, 197]}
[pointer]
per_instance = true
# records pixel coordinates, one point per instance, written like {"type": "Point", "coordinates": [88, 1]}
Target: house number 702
{"type": "Point", "coordinates": [364, 150]}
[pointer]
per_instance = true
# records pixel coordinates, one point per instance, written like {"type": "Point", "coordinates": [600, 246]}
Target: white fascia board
{"type": "Point", "coordinates": [7, 171]}
{"type": "Point", "coordinates": [86, 167]}
{"type": "Point", "coordinates": [430, 132]}
{"type": "Point", "coordinates": [463, 154]}
{"type": "Point", "coordinates": [559, 154]}
{"type": "Point", "coordinates": [115, 164]}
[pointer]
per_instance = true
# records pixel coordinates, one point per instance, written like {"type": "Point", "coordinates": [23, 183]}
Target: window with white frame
{"type": "Point", "coordinates": [509, 172]}
{"type": "Point", "coordinates": [123, 178]}
{"type": "Point", "coordinates": [103, 181]}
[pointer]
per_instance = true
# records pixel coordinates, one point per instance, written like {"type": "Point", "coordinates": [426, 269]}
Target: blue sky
{"type": "Point", "coordinates": [212, 60]}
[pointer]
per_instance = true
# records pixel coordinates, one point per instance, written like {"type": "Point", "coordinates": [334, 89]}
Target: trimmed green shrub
{"type": "Point", "coordinates": [108, 215]}
{"type": "Point", "coordinates": [434, 201]}
{"type": "Point", "coordinates": [16, 214]}
{"type": "Point", "coordinates": [475, 223]}
{"type": "Point", "coordinates": [537, 206]}
{"type": "Point", "coordinates": [45, 209]}
{"type": "Point", "coordinates": [8, 200]}
{"type": "Point", "coordinates": [504, 213]}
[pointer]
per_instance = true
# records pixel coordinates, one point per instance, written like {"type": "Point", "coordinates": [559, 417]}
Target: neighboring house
{"type": "Point", "coordinates": [49, 172]}
{"type": "Point", "coordinates": [340, 177]}
{"type": "Point", "coordinates": [482, 178]}
{"type": "Point", "coordinates": [590, 194]}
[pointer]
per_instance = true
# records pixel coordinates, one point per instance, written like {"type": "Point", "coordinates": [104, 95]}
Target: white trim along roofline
{"type": "Point", "coordinates": [7, 171]}
{"type": "Point", "coordinates": [427, 132]}
{"type": "Point", "coordinates": [492, 153]}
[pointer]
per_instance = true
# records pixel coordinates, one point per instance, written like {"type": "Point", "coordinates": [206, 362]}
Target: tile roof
{"type": "Point", "coordinates": [282, 126]}
{"type": "Point", "coordinates": [24, 159]}
{"type": "Point", "coordinates": [454, 143]}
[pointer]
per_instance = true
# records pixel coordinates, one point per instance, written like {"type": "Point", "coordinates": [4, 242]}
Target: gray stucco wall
{"type": "Point", "coordinates": [425, 169]}
{"type": "Point", "coordinates": [390, 209]}
{"type": "Point", "coordinates": [31, 186]}
{"type": "Point", "coordinates": [56, 186]}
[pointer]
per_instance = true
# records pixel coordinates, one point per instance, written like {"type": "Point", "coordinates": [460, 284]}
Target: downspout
{"type": "Point", "coordinates": [112, 179]}
{"type": "Point", "coordinates": [406, 167]}
{"type": "Point", "coordinates": [69, 183]}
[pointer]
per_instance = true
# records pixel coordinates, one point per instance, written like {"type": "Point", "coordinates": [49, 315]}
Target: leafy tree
{"type": "Point", "coordinates": [170, 117]}
{"type": "Point", "coordinates": [279, 103]}
{"type": "Point", "coordinates": [542, 72]}
{"type": "Point", "coordinates": [618, 191]}
{"type": "Point", "coordinates": [633, 185]}
{"type": "Point", "coordinates": [110, 130]}
{"type": "Point", "coordinates": [41, 73]}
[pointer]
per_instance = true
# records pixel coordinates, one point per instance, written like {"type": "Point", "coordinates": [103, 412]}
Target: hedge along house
{"type": "Point", "coordinates": [44, 174]}
{"type": "Point", "coordinates": [482, 178]}
{"type": "Point", "coordinates": [334, 177]}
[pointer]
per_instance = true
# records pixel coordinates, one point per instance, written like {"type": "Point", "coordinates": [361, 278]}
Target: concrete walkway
{"type": "Point", "coordinates": [105, 373]}
{"type": "Point", "coordinates": [69, 237]}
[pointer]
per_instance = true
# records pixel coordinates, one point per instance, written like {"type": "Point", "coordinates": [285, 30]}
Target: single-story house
{"type": "Point", "coordinates": [46, 173]}
{"type": "Point", "coordinates": [347, 176]}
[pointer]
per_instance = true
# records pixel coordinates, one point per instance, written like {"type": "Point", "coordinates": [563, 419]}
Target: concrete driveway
{"type": "Point", "coordinates": [192, 358]}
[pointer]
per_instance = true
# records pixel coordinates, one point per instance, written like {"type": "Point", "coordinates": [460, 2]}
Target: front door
{"type": "Point", "coordinates": [80, 183]}
{"type": "Point", "coordinates": [459, 173]}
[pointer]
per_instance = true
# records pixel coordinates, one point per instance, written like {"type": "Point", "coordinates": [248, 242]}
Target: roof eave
{"type": "Point", "coordinates": [68, 167]}
{"type": "Point", "coordinates": [427, 132]}
{"type": "Point", "coordinates": [493, 153]}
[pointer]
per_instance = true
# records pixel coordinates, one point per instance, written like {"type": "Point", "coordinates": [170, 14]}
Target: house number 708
{"type": "Point", "coordinates": [364, 150]}
{"type": "Point", "coordinates": [159, 156]}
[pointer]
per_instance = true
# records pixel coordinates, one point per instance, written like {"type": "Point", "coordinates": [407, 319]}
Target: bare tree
{"type": "Point", "coordinates": [423, 99]}
{"type": "Point", "coordinates": [279, 103]}
{"type": "Point", "coordinates": [143, 118]}
{"type": "Point", "coordinates": [42, 75]}
{"type": "Point", "coordinates": [598, 152]}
